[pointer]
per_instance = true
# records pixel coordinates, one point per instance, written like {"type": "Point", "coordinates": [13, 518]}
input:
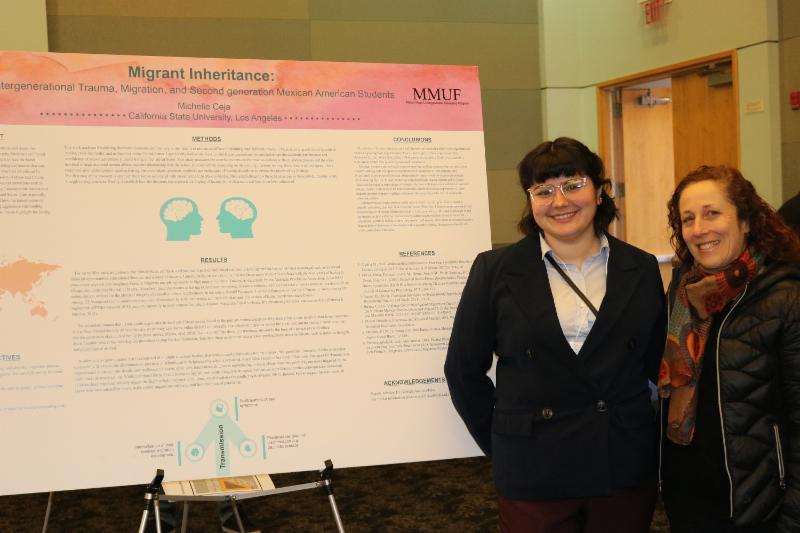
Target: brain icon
{"type": "Point", "coordinates": [177, 210]}
{"type": "Point", "coordinates": [240, 209]}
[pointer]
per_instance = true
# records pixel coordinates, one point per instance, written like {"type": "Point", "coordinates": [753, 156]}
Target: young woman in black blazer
{"type": "Point", "coordinates": [568, 422]}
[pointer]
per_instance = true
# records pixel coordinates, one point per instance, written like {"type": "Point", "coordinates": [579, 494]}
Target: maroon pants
{"type": "Point", "coordinates": [629, 511]}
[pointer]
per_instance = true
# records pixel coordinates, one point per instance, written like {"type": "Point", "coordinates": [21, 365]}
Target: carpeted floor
{"type": "Point", "coordinates": [435, 496]}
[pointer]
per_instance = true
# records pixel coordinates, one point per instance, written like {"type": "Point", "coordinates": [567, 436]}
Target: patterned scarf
{"type": "Point", "coordinates": [700, 295]}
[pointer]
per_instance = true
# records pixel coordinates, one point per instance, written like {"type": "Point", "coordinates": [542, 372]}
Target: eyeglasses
{"type": "Point", "coordinates": [543, 193]}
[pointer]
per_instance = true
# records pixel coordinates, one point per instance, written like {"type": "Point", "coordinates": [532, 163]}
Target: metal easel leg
{"type": "Point", "coordinates": [157, 507]}
{"type": "Point", "coordinates": [336, 513]}
{"type": "Point", "coordinates": [47, 512]}
{"type": "Point", "coordinates": [237, 516]}
{"type": "Point", "coordinates": [151, 496]}
{"type": "Point", "coordinates": [327, 485]}
{"type": "Point", "coordinates": [148, 502]}
{"type": "Point", "coordinates": [185, 517]}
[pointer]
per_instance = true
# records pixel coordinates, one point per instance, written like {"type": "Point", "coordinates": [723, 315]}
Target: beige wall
{"type": "Point", "coordinates": [584, 43]}
{"type": "Point", "coordinates": [790, 81]}
{"type": "Point", "coordinates": [23, 25]}
{"type": "Point", "coordinates": [563, 47]}
{"type": "Point", "coordinates": [500, 36]}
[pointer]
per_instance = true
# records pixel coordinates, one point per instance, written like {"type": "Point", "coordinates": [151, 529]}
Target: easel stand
{"type": "Point", "coordinates": [151, 501]}
{"type": "Point", "coordinates": [153, 493]}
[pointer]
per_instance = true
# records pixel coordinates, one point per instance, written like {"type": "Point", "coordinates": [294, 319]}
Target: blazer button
{"type": "Point", "coordinates": [631, 343]}
{"type": "Point", "coordinates": [547, 413]}
{"type": "Point", "coordinates": [601, 406]}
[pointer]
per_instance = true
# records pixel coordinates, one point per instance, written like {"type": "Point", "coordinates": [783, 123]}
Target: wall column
{"type": "Point", "coordinates": [23, 25]}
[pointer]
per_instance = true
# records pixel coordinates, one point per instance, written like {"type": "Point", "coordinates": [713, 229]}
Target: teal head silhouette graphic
{"type": "Point", "coordinates": [182, 218]}
{"type": "Point", "coordinates": [236, 217]}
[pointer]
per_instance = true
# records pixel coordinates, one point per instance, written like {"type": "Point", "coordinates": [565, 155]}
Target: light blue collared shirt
{"type": "Point", "coordinates": [574, 315]}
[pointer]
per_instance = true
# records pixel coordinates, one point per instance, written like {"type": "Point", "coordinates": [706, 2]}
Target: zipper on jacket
{"type": "Point", "coordinates": [779, 450]}
{"type": "Point", "coordinates": [719, 402]}
{"type": "Point", "coordinates": [660, 440]}
{"type": "Point", "coordinates": [661, 407]}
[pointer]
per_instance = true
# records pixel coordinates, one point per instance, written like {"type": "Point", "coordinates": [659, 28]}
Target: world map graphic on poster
{"type": "Point", "coordinates": [20, 278]}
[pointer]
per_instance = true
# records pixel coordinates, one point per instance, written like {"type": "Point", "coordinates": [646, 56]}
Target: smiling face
{"type": "Point", "coordinates": [710, 226]}
{"type": "Point", "coordinates": [568, 218]}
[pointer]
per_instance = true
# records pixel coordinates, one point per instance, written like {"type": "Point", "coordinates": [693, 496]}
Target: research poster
{"type": "Point", "coordinates": [223, 267]}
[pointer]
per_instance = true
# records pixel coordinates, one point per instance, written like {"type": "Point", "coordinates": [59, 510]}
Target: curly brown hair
{"type": "Point", "coordinates": [768, 234]}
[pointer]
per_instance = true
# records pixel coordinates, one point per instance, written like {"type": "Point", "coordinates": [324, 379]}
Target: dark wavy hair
{"type": "Point", "coordinates": [768, 234]}
{"type": "Point", "coordinates": [565, 157]}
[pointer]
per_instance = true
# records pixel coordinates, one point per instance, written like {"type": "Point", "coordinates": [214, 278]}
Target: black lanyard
{"type": "Point", "coordinates": [571, 284]}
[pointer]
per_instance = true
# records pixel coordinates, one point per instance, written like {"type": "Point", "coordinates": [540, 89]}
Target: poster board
{"type": "Point", "coordinates": [220, 267]}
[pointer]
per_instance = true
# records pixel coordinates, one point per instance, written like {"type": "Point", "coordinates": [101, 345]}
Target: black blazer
{"type": "Point", "coordinates": [558, 425]}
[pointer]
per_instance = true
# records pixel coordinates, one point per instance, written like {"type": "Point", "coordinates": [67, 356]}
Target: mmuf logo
{"type": "Point", "coordinates": [441, 94]}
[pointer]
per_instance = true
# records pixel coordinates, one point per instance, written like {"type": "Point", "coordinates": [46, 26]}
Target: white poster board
{"type": "Point", "coordinates": [220, 267]}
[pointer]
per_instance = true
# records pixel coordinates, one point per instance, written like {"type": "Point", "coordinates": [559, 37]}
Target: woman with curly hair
{"type": "Point", "coordinates": [730, 375]}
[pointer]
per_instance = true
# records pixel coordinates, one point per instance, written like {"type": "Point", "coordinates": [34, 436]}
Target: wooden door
{"type": "Point", "coordinates": [648, 168]}
{"type": "Point", "coordinates": [704, 119]}
{"type": "Point", "coordinates": [705, 131]}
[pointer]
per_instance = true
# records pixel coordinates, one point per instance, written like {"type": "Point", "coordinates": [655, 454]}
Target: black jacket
{"type": "Point", "coordinates": [758, 357]}
{"type": "Point", "coordinates": [558, 425]}
{"type": "Point", "coordinates": [790, 212]}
